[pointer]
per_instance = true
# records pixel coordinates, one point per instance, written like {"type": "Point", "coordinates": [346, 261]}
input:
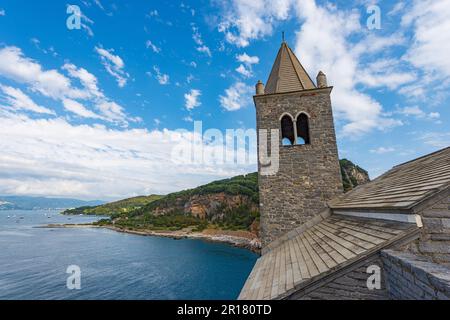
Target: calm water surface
{"type": "Point", "coordinates": [33, 262]}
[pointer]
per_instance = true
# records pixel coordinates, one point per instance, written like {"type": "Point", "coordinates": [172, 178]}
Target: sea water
{"type": "Point", "coordinates": [113, 265]}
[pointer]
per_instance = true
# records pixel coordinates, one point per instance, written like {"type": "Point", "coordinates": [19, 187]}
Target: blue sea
{"type": "Point", "coordinates": [34, 261]}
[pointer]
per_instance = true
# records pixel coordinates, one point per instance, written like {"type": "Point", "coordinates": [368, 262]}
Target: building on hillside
{"type": "Point", "coordinates": [387, 239]}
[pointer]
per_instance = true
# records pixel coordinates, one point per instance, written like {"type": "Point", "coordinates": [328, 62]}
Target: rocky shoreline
{"type": "Point", "coordinates": [240, 239]}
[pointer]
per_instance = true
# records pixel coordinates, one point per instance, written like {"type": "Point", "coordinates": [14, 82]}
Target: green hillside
{"type": "Point", "coordinates": [229, 204]}
{"type": "Point", "coordinates": [114, 208]}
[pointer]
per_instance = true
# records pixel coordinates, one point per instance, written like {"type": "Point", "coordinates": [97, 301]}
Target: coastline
{"type": "Point", "coordinates": [240, 239]}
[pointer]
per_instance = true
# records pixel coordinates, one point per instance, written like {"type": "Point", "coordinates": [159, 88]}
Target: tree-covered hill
{"type": "Point", "coordinates": [112, 208]}
{"type": "Point", "coordinates": [229, 204]}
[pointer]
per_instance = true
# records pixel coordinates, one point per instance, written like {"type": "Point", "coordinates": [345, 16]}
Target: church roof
{"type": "Point", "coordinates": [287, 73]}
{"type": "Point", "coordinates": [311, 255]}
{"type": "Point", "coordinates": [402, 187]}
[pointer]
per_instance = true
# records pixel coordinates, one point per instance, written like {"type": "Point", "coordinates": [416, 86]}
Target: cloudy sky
{"type": "Point", "coordinates": [95, 112]}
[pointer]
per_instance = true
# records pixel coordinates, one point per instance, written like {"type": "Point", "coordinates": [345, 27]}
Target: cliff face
{"type": "Point", "coordinates": [231, 205]}
{"type": "Point", "coordinates": [352, 175]}
{"type": "Point", "coordinates": [207, 206]}
{"type": "Point", "coordinates": [213, 206]}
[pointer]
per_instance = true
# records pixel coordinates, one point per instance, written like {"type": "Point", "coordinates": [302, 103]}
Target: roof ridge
{"type": "Point", "coordinates": [421, 157]}
{"type": "Point", "coordinates": [433, 170]}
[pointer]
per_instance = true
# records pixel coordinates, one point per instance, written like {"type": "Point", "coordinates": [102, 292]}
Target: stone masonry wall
{"type": "Point", "coordinates": [411, 277]}
{"type": "Point", "coordinates": [435, 239]}
{"type": "Point", "coordinates": [309, 175]}
{"type": "Point", "coordinates": [351, 286]}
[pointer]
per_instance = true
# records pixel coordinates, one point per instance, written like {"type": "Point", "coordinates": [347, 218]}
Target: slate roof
{"type": "Point", "coordinates": [287, 73]}
{"type": "Point", "coordinates": [402, 187]}
{"type": "Point", "coordinates": [332, 244]}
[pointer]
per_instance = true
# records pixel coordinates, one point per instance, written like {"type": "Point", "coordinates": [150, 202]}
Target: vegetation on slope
{"type": "Point", "coordinates": [229, 204]}
{"type": "Point", "coordinates": [352, 175]}
{"type": "Point", "coordinates": [113, 208]}
{"type": "Point", "coordinates": [169, 212]}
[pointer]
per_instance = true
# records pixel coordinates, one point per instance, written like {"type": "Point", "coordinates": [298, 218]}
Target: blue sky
{"type": "Point", "coordinates": [94, 113]}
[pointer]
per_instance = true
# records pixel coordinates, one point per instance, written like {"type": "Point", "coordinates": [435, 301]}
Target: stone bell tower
{"type": "Point", "coordinates": [308, 173]}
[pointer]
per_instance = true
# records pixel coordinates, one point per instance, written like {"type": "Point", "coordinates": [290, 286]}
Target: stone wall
{"type": "Point", "coordinates": [350, 286]}
{"type": "Point", "coordinates": [435, 239]}
{"type": "Point", "coordinates": [412, 277]}
{"type": "Point", "coordinates": [309, 175]}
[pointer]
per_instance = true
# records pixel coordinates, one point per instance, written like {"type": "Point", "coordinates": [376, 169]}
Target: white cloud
{"type": "Point", "coordinates": [190, 78]}
{"type": "Point", "coordinates": [162, 78]}
{"type": "Point", "coordinates": [37, 43]}
{"type": "Point", "coordinates": [430, 20]}
{"type": "Point", "coordinates": [418, 113]}
{"type": "Point", "coordinates": [343, 51]}
{"type": "Point", "coordinates": [192, 99]}
{"type": "Point", "coordinates": [201, 47]}
{"type": "Point", "coordinates": [245, 68]}
{"type": "Point", "coordinates": [382, 150]}
{"type": "Point", "coordinates": [397, 8]}
{"type": "Point", "coordinates": [436, 139]}
{"type": "Point", "coordinates": [87, 79]}
{"type": "Point", "coordinates": [204, 49]}
{"type": "Point", "coordinates": [78, 109]}
{"type": "Point", "coordinates": [413, 111]}
{"type": "Point", "coordinates": [246, 59]}
{"type": "Point", "coordinates": [151, 45]}
{"type": "Point", "coordinates": [188, 119]}
{"type": "Point", "coordinates": [114, 65]}
{"type": "Point", "coordinates": [341, 60]}
{"type": "Point", "coordinates": [53, 157]}
{"type": "Point", "coordinates": [51, 83]}
{"type": "Point", "coordinates": [16, 99]}
{"type": "Point", "coordinates": [244, 20]}
{"type": "Point", "coordinates": [113, 112]}
{"type": "Point", "coordinates": [99, 4]}
{"type": "Point", "coordinates": [434, 115]}
{"type": "Point", "coordinates": [383, 78]}
{"type": "Point", "coordinates": [247, 73]}
{"type": "Point", "coordinates": [2, 12]}
{"type": "Point", "coordinates": [15, 66]}
{"type": "Point", "coordinates": [236, 97]}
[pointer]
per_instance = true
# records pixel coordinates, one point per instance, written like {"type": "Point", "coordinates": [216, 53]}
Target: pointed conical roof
{"type": "Point", "coordinates": [288, 73]}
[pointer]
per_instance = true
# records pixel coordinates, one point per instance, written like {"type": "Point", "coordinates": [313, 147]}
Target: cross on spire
{"type": "Point", "coordinates": [282, 36]}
